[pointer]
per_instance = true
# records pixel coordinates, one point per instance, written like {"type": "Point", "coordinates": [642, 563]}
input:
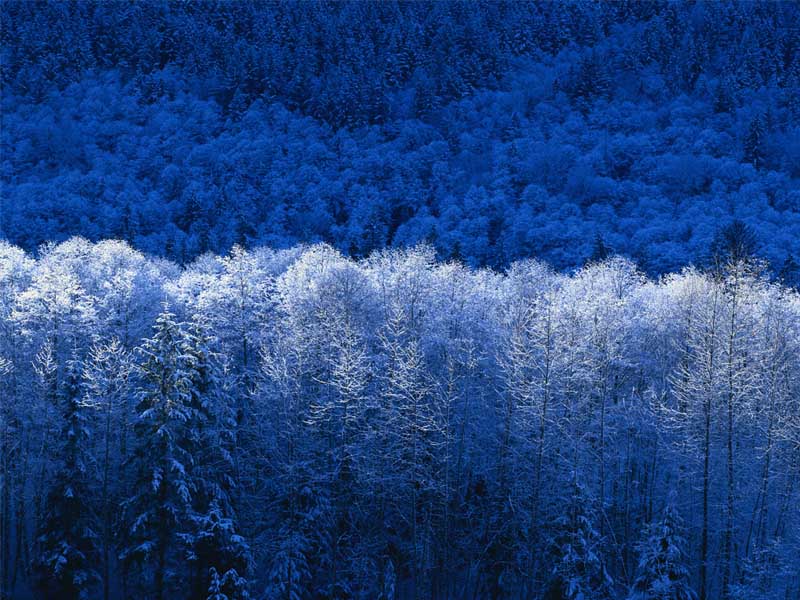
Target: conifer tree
{"type": "Point", "coordinates": [662, 574]}
{"type": "Point", "coordinates": [754, 143]}
{"type": "Point", "coordinates": [212, 541]}
{"type": "Point", "coordinates": [69, 544]}
{"type": "Point", "coordinates": [579, 573]}
{"type": "Point", "coordinates": [159, 508]}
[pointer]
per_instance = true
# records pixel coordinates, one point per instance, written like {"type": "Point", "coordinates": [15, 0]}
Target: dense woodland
{"type": "Point", "coordinates": [298, 424]}
{"type": "Point", "coordinates": [399, 300]}
{"type": "Point", "coordinates": [493, 131]}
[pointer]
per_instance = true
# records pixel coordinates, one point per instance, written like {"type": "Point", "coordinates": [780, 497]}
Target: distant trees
{"type": "Point", "coordinates": [494, 134]}
{"type": "Point", "coordinates": [301, 424]}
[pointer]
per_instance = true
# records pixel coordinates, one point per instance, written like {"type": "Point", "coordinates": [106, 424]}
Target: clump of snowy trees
{"type": "Point", "coordinates": [296, 424]}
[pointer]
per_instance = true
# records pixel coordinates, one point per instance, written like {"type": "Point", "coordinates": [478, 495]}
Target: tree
{"type": "Point", "coordinates": [696, 389]}
{"type": "Point", "coordinates": [600, 251]}
{"type": "Point", "coordinates": [578, 573]}
{"type": "Point", "coordinates": [789, 274]}
{"type": "Point", "coordinates": [68, 539]}
{"type": "Point", "coordinates": [410, 429]}
{"type": "Point", "coordinates": [166, 434]}
{"type": "Point", "coordinates": [212, 541]}
{"type": "Point", "coordinates": [662, 573]}
{"type": "Point", "coordinates": [216, 547]}
{"type": "Point", "coordinates": [754, 143]}
{"type": "Point", "coordinates": [733, 243]}
{"type": "Point", "coordinates": [298, 509]}
{"type": "Point", "coordinates": [106, 380]}
{"type": "Point", "coordinates": [531, 364]}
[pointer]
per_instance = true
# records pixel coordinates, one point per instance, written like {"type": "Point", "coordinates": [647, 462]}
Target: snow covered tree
{"type": "Point", "coordinates": [662, 573]}
{"type": "Point", "coordinates": [297, 507]}
{"type": "Point", "coordinates": [106, 376]}
{"type": "Point", "coordinates": [696, 386]}
{"type": "Point", "coordinates": [211, 539]}
{"type": "Point", "coordinates": [219, 555]}
{"type": "Point", "coordinates": [410, 431]}
{"type": "Point", "coordinates": [166, 434]}
{"type": "Point", "coordinates": [66, 566]}
{"type": "Point", "coordinates": [579, 572]}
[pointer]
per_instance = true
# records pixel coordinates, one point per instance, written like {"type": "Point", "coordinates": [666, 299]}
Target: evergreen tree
{"type": "Point", "coordinates": [161, 503]}
{"type": "Point", "coordinates": [754, 142]}
{"type": "Point", "coordinates": [590, 80]}
{"type": "Point", "coordinates": [789, 274]}
{"type": "Point", "coordinates": [212, 540]}
{"type": "Point", "coordinates": [579, 572]}
{"type": "Point", "coordinates": [662, 574]}
{"type": "Point", "coordinates": [69, 545]}
{"type": "Point", "coordinates": [600, 251]}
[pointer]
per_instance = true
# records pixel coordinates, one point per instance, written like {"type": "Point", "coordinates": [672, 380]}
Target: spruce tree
{"type": "Point", "coordinates": [662, 574]}
{"type": "Point", "coordinates": [159, 508]}
{"type": "Point", "coordinates": [579, 572]}
{"type": "Point", "coordinates": [69, 545]}
{"type": "Point", "coordinates": [219, 555]}
{"type": "Point", "coordinates": [754, 142]}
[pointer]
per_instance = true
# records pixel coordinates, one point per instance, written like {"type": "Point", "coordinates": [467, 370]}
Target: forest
{"type": "Point", "coordinates": [399, 300]}
{"type": "Point", "coordinates": [298, 424]}
{"type": "Point", "coordinates": [493, 131]}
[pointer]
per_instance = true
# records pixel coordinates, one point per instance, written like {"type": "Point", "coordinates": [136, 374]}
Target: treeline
{"type": "Point", "coordinates": [493, 132]}
{"type": "Point", "coordinates": [297, 424]}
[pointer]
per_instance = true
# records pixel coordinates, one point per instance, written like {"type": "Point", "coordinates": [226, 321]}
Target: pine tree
{"type": "Point", "coordinates": [662, 574]}
{"type": "Point", "coordinates": [579, 573]}
{"type": "Point", "coordinates": [214, 546]}
{"type": "Point", "coordinates": [600, 251]}
{"type": "Point", "coordinates": [214, 541]}
{"type": "Point", "coordinates": [69, 544]}
{"type": "Point", "coordinates": [789, 274]}
{"type": "Point", "coordinates": [754, 143]}
{"type": "Point", "coordinates": [162, 462]}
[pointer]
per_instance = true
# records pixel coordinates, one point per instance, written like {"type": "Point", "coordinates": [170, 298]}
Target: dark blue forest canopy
{"type": "Point", "coordinates": [494, 131]}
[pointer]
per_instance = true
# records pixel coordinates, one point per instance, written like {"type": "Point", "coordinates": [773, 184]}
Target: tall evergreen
{"type": "Point", "coordinates": [579, 572]}
{"type": "Point", "coordinates": [160, 507]}
{"type": "Point", "coordinates": [219, 556]}
{"type": "Point", "coordinates": [69, 545]}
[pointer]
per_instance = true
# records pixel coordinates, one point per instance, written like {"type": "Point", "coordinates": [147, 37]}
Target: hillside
{"type": "Point", "coordinates": [511, 131]}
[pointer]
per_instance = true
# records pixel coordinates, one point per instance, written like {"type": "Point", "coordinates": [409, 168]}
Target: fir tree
{"type": "Point", "coordinates": [661, 574]}
{"type": "Point", "coordinates": [215, 542]}
{"type": "Point", "coordinates": [69, 544]}
{"type": "Point", "coordinates": [754, 143]}
{"type": "Point", "coordinates": [161, 504]}
{"type": "Point", "coordinates": [579, 572]}
{"type": "Point", "coordinates": [600, 251]}
{"type": "Point", "coordinates": [214, 546]}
